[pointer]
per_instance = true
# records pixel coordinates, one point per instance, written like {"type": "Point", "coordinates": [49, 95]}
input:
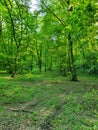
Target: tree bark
{"type": "Point", "coordinates": [39, 55]}
{"type": "Point", "coordinates": [0, 27]}
{"type": "Point", "coordinates": [72, 61]}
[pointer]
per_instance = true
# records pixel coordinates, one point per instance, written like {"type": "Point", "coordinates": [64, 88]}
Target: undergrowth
{"type": "Point", "coordinates": [48, 102]}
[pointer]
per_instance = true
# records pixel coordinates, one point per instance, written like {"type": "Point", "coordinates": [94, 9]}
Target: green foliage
{"type": "Point", "coordinates": [39, 40]}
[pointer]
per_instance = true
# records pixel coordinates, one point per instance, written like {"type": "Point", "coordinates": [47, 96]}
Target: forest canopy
{"type": "Point", "coordinates": [60, 35]}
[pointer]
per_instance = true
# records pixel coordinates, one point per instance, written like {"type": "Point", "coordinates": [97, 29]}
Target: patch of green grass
{"type": "Point", "coordinates": [16, 94]}
{"type": "Point", "coordinates": [74, 116]}
{"type": "Point", "coordinates": [48, 102]}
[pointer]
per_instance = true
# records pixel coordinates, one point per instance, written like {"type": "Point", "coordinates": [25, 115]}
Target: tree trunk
{"type": "Point", "coordinates": [0, 27]}
{"type": "Point", "coordinates": [72, 62]}
{"type": "Point", "coordinates": [39, 55]}
{"type": "Point", "coordinates": [45, 63]}
{"type": "Point", "coordinates": [50, 67]}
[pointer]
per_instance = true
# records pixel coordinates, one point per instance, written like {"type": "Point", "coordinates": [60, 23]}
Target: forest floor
{"type": "Point", "coordinates": [41, 102]}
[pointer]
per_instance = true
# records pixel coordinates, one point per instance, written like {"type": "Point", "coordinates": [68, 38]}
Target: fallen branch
{"type": "Point", "coordinates": [21, 110]}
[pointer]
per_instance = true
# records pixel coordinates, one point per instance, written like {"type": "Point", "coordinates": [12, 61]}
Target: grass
{"type": "Point", "coordinates": [48, 102]}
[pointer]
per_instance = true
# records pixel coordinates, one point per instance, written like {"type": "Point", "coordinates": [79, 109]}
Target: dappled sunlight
{"type": "Point", "coordinates": [45, 112]}
{"type": "Point", "coordinates": [6, 77]}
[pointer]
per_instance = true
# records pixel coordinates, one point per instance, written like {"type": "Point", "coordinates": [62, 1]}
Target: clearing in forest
{"type": "Point", "coordinates": [48, 103]}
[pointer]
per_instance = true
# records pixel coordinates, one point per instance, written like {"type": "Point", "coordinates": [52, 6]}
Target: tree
{"type": "Point", "coordinates": [15, 17]}
{"type": "Point", "coordinates": [60, 35]}
{"type": "Point", "coordinates": [74, 18]}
